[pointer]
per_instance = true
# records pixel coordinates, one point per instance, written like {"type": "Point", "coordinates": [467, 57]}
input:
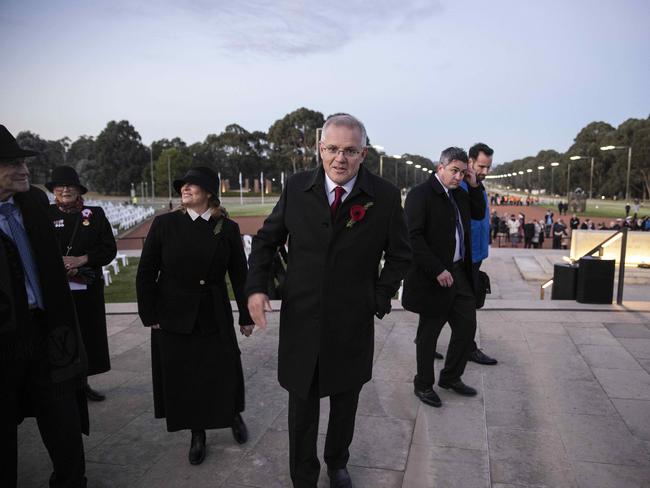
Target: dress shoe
{"type": "Point", "coordinates": [459, 387]}
{"type": "Point", "coordinates": [480, 357]}
{"type": "Point", "coordinates": [197, 447]}
{"type": "Point", "coordinates": [339, 478]}
{"type": "Point", "coordinates": [437, 355]}
{"type": "Point", "coordinates": [93, 395]}
{"type": "Point", "coordinates": [428, 396]}
{"type": "Point", "coordinates": [239, 429]}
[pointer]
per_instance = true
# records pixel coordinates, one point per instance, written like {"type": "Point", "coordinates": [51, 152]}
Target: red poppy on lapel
{"type": "Point", "coordinates": [357, 213]}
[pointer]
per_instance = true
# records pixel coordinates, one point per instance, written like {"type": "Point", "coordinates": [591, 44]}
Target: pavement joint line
{"type": "Point", "coordinates": [485, 430]}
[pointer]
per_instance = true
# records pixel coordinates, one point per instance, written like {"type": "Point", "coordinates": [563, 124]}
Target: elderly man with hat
{"type": "Point", "coordinates": [182, 296]}
{"type": "Point", "coordinates": [86, 243]}
{"type": "Point", "coordinates": [42, 358]}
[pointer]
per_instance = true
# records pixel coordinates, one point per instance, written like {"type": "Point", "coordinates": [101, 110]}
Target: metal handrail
{"type": "Point", "coordinates": [599, 249]}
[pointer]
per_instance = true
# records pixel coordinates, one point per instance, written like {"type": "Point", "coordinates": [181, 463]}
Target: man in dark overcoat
{"type": "Point", "coordinates": [340, 221]}
{"type": "Point", "coordinates": [439, 285]}
{"type": "Point", "coordinates": [42, 360]}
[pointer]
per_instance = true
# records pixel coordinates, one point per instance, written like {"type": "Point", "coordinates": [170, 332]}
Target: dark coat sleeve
{"type": "Point", "coordinates": [397, 257]}
{"type": "Point", "coordinates": [237, 269]}
{"type": "Point", "coordinates": [104, 249]}
{"type": "Point", "coordinates": [148, 269]}
{"type": "Point", "coordinates": [476, 202]}
{"type": "Point", "coordinates": [269, 238]}
{"type": "Point", "coordinates": [416, 210]}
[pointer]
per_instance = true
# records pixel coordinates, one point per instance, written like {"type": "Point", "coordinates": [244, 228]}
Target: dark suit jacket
{"type": "Point", "coordinates": [180, 263]}
{"type": "Point", "coordinates": [432, 229]}
{"type": "Point", "coordinates": [65, 349]}
{"type": "Point", "coordinates": [333, 284]}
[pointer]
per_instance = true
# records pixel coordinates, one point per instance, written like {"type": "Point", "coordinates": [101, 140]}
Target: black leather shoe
{"type": "Point", "coordinates": [93, 395]}
{"type": "Point", "coordinates": [459, 387]}
{"type": "Point", "coordinates": [339, 478]}
{"type": "Point", "coordinates": [239, 429]}
{"type": "Point", "coordinates": [197, 447]}
{"type": "Point", "coordinates": [437, 355]}
{"type": "Point", "coordinates": [428, 396]}
{"type": "Point", "coordinates": [480, 357]}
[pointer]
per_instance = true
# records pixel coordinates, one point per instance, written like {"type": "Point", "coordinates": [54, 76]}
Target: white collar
{"type": "Point", "coordinates": [442, 184]}
{"type": "Point", "coordinates": [8, 200]}
{"type": "Point", "coordinates": [195, 215]}
{"type": "Point", "coordinates": [330, 185]}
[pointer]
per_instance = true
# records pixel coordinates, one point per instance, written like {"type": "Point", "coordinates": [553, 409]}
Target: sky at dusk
{"type": "Point", "coordinates": [422, 75]}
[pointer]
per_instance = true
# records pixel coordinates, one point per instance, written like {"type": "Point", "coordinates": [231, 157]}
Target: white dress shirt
{"type": "Point", "coordinates": [330, 186]}
{"type": "Point", "coordinates": [195, 215]}
{"type": "Point", "coordinates": [457, 256]}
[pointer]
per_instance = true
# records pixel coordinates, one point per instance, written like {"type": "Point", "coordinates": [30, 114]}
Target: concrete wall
{"type": "Point", "coordinates": [638, 245]}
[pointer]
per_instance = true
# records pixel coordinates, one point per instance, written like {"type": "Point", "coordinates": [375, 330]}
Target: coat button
{"type": "Point", "coordinates": [202, 282]}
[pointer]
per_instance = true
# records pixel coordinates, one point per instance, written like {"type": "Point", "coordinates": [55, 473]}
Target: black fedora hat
{"type": "Point", "coordinates": [9, 148]}
{"type": "Point", "coordinates": [65, 176]}
{"type": "Point", "coordinates": [204, 177]}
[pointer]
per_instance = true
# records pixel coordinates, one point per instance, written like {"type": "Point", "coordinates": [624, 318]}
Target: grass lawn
{"type": "Point", "coordinates": [122, 289]}
{"type": "Point", "coordinates": [250, 210]}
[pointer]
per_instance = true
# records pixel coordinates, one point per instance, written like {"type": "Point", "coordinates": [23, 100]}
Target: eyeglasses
{"type": "Point", "coordinates": [348, 152]}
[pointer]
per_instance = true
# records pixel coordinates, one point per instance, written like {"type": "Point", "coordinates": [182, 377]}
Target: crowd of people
{"type": "Point", "coordinates": [341, 222]}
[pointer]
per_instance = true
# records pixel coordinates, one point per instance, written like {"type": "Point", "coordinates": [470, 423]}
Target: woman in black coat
{"type": "Point", "coordinates": [86, 243]}
{"type": "Point", "coordinates": [182, 295]}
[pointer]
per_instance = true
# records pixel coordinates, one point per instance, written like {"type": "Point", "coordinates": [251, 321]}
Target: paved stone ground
{"type": "Point", "coordinates": [568, 405]}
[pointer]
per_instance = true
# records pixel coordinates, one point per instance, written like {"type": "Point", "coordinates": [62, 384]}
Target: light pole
{"type": "Point", "coordinates": [629, 165]}
{"type": "Point", "coordinates": [530, 186]}
{"type": "Point", "coordinates": [539, 180]}
{"type": "Point", "coordinates": [591, 172]}
{"type": "Point", "coordinates": [169, 178]}
{"type": "Point", "coordinates": [554, 164]}
{"type": "Point", "coordinates": [153, 192]}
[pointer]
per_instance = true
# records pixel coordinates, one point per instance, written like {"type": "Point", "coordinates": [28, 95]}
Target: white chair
{"type": "Point", "coordinates": [107, 276]}
{"type": "Point", "coordinates": [124, 258]}
{"type": "Point", "coordinates": [115, 265]}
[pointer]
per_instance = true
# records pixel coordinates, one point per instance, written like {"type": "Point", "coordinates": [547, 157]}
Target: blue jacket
{"type": "Point", "coordinates": [480, 231]}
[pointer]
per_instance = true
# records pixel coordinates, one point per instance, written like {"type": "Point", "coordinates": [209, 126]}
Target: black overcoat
{"type": "Point", "coordinates": [196, 364]}
{"type": "Point", "coordinates": [65, 348]}
{"type": "Point", "coordinates": [432, 226]}
{"type": "Point", "coordinates": [333, 285]}
{"type": "Point", "coordinates": [94, 238]}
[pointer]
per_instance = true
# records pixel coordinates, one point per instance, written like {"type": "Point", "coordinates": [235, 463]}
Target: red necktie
{"type": "Point", "coordinates": [338, 194]}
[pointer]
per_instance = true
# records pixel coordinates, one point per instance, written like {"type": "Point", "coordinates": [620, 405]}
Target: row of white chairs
{"type": "Point", "coordinates": [121, 216]}
{"type": "Point", "coordinates": [115, 266]}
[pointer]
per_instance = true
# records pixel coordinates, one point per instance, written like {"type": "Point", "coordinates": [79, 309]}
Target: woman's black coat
{"type": "Point", "coordinates": [94, 237]}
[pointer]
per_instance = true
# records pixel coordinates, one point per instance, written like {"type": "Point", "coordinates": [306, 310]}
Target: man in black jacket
{"type": "Point", "coordinates": [340, 220]}
{"type": "Point", "coordinates": [42, 360]}
{"type": "Point", "coordinates": [439, 285]}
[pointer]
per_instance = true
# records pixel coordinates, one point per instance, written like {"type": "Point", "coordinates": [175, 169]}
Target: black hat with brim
{"type": "Point", "coordinates": [65, 176]}
{"type": "Point", "coordinates": [9, 148]}
{"type": "Point", "coordinates": [204, 177]}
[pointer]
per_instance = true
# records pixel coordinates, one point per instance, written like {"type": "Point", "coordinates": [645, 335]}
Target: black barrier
{"type": "Point", "coordinates": [595, 280]}
{"type": "Point", "coordinates": [565, 279]}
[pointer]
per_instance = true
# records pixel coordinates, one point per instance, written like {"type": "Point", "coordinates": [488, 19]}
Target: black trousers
{"type": "Point", "coordinates": [303, 433]}
{"type": "Point", "coordinates": [26, 384]}
{"type": "Point", "coordinates": [461, 316]}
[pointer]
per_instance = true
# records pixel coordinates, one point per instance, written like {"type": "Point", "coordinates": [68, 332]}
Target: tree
{"type": "Point", "coordinates": [120, 159]}
{"type": "Point", "coordinates": [171, 161]}
{"type": "Point", "coordinates": [159, 146]}
{"type": "Point", "coordinates": [40, 165]}
{"type": "Point", "coordinates": [293, 139]}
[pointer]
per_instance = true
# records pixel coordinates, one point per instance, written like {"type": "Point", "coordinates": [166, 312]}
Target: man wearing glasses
{"type": "Point", "coordinates": [340, 221]}
{"type": "Point", "coordinates": [439, 285]}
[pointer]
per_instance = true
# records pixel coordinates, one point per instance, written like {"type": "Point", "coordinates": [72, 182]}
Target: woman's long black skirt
{"type": "Point", "coordinates": [198, 381]}
{"type": "Point", "coordinates": [91, 313]}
